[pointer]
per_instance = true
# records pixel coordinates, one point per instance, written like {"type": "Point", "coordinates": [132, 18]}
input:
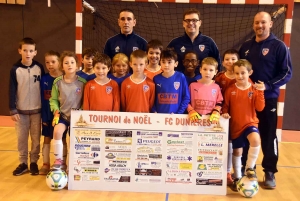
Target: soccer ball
{"type": "Point", "coordinates": [56, 179]}
{"type": "Point", "coordinates": [246, 187]}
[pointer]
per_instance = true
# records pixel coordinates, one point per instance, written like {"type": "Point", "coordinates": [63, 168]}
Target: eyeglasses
{"type": "Point", "coordinates": [191, 20]}
{"type": "Point", "coordinates": [187, 61]}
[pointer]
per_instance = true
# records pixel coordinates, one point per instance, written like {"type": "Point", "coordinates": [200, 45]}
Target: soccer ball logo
{"type": "Point", "coordinates": [246, 187]}
{"type": "Point", "coordinates": [56, 179]}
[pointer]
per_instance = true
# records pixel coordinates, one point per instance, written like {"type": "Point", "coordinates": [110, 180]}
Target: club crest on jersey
{"type": "Point", "coordinates": [265, 51]}
{"type": "Point", "coordinates": [201, 48]}
{"type": "Point", "coordinates": [233, 93]}
{"type": "Point", "coordinates": [108, 89]}
{"type": "Point", "coordinates": [213, 92]}
{"type": "Point", "coordinates": [135, 48]}
{"type": "Point", "coordinates": [117, 49]}
{"type": "Point", "coordinates": [182, 49]}
{"type": "Point", "coordinates": [145, 88]}
{"type": "Point", "coordinates": [93, 87]}
{"type": "Point", "coordinates": [247, 52]}
{"type": "Point", "coordinates": [176, 85]}
{"type": "Point", "coordinates": [250, 94]}
{"type": "Point", "coordinates": [78, 90]}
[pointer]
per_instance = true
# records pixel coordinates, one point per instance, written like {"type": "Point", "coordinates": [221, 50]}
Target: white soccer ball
{"type": "Point", "coordinates": [56, 179]}
{"type": "Point", "coordinates": [246, 187]}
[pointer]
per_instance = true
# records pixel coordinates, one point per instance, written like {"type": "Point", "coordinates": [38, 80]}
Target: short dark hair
{"type": "Point", "coordinates": [27, 41]}
{"type": "Point", "coordinates": [190, 52]}
{"type": "Point", "coordinates": [89, 51]}
{"type": "Point", "coordinates": [245, 63]}
{"type": "Point", "coordinates": [169, 53]}
{"type": "Point", "coordinates": [191, 11]}
{"type": "Point", "coordinates": [67, 54]}
{"type": "Point", "coordinates": [52, 53]}
{"type": "Point", "coordinates": [139, 54]}
{"type": "Point", "coordinates": [127, 10]}
{"type": "Point", "coordinates": [102, 58]}
{"type": "Point", "coordinates": [210, 61]}
{"type": "Point", "coordinates": [155, 44]}
{"type": "Point", "coordinates": [231, 51]}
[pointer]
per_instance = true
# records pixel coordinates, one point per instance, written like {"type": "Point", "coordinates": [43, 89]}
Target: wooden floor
{"type": "Point", "coordinates": [33, 188]}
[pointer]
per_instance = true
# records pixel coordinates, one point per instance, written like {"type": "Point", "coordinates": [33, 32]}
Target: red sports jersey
{"type": "Point", "coordinates": [151, 74]}
{"type": "Point", "coordinates": [137, 97]}
{"type": "Point", "coordinates": [101, 97]}
{"type": "Point", "coordinates": [241, 105]}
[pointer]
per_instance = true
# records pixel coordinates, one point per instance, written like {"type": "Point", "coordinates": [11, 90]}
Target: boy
{"type": "Point", "coordinates": [137, 91]}
{"type": "Point", "coordinates": [190, 63]}
{"type": "Point", "coordinates": [172, 95]}
{"type": "Point", "coordinates": [87, 71]}
{"type": "Point", "coordinates": [52, 65]}
{"type": "Point", "coordinates": [25, 105]}
{"type": "Point", "coordinates": [242, 100]}
{"type": "Point", "coordinates": [206, 97]}
{"type": "Point", "coordinates": [225, 79]}
{"type": "Point", "coordinates": [154, 48]}
{"type": "Point", "coordinates": [101, 93]}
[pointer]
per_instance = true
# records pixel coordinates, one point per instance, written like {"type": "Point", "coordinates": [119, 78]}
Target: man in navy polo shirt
{"type": "Point", "coordinates": [126, 41]}
{"type": "Point", "coordinates": [193, 39]}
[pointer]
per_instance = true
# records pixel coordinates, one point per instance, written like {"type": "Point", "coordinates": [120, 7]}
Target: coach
{"type": "Point", "coordinates": [271, 63]}
{"type": "Point", "coordinates": [126, 41]}
{"type": "Point", "coordinates": [193, 39]}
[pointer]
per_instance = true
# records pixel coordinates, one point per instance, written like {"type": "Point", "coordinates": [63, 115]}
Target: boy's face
{"type": "Point", "coordinates": [52, 63]}
{"type": "Point", "coordinates": [101, 70]}
{"type": "Point", "coordinates": [87, 62]}
{"type": "Point", "coordinates": [120, 69]}
{"type": "Point", "coordinates": [154, 56]}
{"type": "Point", "coordinates": [168, 65]}
{"type": "Point", "coordinates": [138, 65]}
{"type": "Point", "coordinates": [229, 60]}
{"type": "Point", "coordinates": [69, 65]}
{"type": "Point", "coordinates": [190, 62]}
{"type": "Point", "coordinates": [208, 72]}
{"type": "Point", "coordinates": [241, 74]}
{"type": "Point", "coordinates": [27, 53]}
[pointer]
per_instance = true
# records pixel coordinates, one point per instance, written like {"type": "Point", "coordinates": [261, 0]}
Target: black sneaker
{"type": "Point", "coordinates": [234, 185]}
{"type": "Point", "coordinates": [21, 169]}
{"type": "Point", "coordinates": [269, 180]}
{"type": "Point", "coordinates": [251, 174]}
{"type": "Point", "coordinates": [34, 170]}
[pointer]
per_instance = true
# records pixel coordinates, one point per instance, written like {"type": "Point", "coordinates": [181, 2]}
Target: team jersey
{"type": "Point", "coordinates": [101, 97]}
{"type": "Point", "coordinates": [241, 105]}
{"type": "Point", "coordinates": [66, 96]}
{"type": "Point", "coordinates": [171, 94]}
{"type": "Point", "coordinates": [150, 73]}
{"type": "Point", "coordinates": [271, 63]}
{"type": "Point", "coordinates": [202, 44]}
{"type": "Point", "coordinates": [224, 81]}
{"type": "Point", "coordinates": [137, 97]}
{"type": "Point", "coordinates": [126, 44]}
{"type": "Point", "coordinates": [119, 80]}
{"type": "Point", "coordinates": [46, 88]}
{"type": "Point", "coordinates": [85, 76]}
{"type": "Point", "coordinates": [204, 98]}
{"type": "Point", "coordinates": [193, 79]}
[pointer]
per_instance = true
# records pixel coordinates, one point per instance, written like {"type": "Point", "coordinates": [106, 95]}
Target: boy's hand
{"type": "Point", "coordinates": [260, 85]}
{"type": "Point", "coordinates": [194, 116]}
{"type": "Point", "coordinates": [226, 116]}
{"type": "Point", "coordinates": [56, 118]}
{"type": "Point", "coordinates": [15, 117]}
{"type": "Point", "coordinates": [214, 117]}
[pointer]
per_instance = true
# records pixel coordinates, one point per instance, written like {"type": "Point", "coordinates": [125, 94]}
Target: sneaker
{"type": "Point", "coordinates": [21, 169]}
{"type": "Point", "coordinates": [251, 174]}
{"type": "Point", "coordinates": [64, 167]}
{"type": "Point", "coordinates": [234, 185]}
{"type": "Point", "coordinates": [45, 169]}
{"type": "Point", "coordinates": [269, 180]}
{"type": "Point", "coordinates": [57, 164]}
{"type": "Point", "coordinates": [229, 179]}
{"type": "Point", "coordinates": [34, 170]}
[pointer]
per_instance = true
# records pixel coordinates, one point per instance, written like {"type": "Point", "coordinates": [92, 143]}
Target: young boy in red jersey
{"type": "Point", "coordinates": [225, 79]}
{"type": "Point", "coordinates": [137, 91]}
{"type": "Point", "coordinates": [101, 93]}
{"type": "Point", "coordinates": [154, 48]}
{"type": "Point", "coordinates": [206, 97]}
{"type": "Point", "coordinates": [242, 100]}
